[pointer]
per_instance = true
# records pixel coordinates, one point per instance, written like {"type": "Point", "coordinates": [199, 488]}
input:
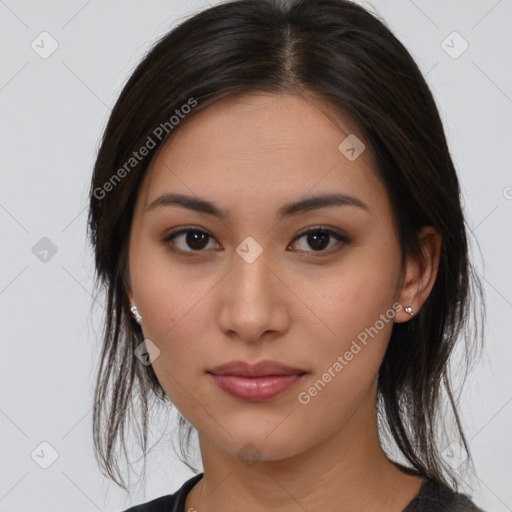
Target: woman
{"type": "Point", "coordinates": [276, 220]}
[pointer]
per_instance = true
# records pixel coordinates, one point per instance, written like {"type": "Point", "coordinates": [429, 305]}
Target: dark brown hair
{"type": "Point", "coordinates": [345, 56]}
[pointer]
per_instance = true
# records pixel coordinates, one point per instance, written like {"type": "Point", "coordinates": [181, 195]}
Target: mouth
{"type": "Point", "coordinates": [255, 382]}
{"type": "Point", "coordinates": [265, 368]}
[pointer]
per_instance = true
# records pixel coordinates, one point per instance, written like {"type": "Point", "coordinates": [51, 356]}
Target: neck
{"type": "Point", "coordinates": [348, 469]}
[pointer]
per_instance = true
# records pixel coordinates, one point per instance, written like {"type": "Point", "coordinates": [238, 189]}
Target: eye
{"type": "Point", "coordinates": [193, 238]}
{"type": "Point", "coordinates": [318, 239]}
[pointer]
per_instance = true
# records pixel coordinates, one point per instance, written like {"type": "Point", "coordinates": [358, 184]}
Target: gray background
{"type": "Point", "coordinates": [53, 111]}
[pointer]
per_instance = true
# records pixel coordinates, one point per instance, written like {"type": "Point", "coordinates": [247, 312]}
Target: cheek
{"type": "Point", "coordinates": [355, 306]}
{"type": "Point", "coordinates": [175, 318]}
{"type": "Point", "coordinates": [360, 319]}
{"type": "Point", "coordinates": [181, 343]}
{"type": "Point", "coordinates": [357, 295]}
{"type": "Point", "coordinates": [172, 310]}
{"type": "Point", "coordinates": [164, 290]}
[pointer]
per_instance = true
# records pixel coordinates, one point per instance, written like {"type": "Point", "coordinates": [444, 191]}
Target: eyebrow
{"type": "Point", "coordinates": [304, 205]}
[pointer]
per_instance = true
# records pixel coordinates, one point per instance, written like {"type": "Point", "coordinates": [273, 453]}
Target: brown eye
{"type": "Point", "coordinates": [320, 238]}
{"type": "Point", "coordinates": [188, 240]}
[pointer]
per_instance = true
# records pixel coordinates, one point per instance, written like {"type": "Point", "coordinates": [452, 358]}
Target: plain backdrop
{"type": "Point", "coordinates": [53, 110]}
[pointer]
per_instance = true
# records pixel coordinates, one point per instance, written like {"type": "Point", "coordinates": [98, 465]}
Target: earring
{"type": "Point", "coordinates": [408, 309]}
{"type": "Point", "coordinates": [136, 314]}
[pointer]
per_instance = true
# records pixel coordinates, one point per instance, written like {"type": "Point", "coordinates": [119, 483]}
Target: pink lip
{"type": "Point", "coordinates": [255, 382]}
{"type": "Point", "coordinates": [262, 368]}
{"type": "Point", "coordinates": [255, 389]}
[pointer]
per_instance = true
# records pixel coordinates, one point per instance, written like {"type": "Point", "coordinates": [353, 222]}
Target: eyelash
{"type": "Point", "coordinates": [342, 239]}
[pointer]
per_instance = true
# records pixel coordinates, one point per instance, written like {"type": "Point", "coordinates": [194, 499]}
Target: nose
{"type": "Point", "coordinates": [254, 301]}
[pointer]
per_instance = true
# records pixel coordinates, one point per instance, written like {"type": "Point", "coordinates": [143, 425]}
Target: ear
{"type": "Point", "coordinates": [419, 274]}
{"type": "Point", "coordinates": [128, 289]}
{"type": "Point", "coordinates": [130, 297]}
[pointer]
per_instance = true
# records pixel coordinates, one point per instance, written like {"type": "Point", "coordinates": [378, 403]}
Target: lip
{"type": "Point", "coordinates": [260, 369]}
{"type": "Point", "coordinates": [255, 389]}
{"type": "Point", "coordinates": [255, 382]}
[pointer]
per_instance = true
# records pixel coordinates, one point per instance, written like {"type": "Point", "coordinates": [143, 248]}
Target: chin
{"type": "Point", "coordinates": [259, 447]}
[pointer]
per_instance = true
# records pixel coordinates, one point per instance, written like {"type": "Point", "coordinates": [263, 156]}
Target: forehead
{"type": "Point", "coordinates": [244, 121]}
{"type": "Point", "coordinates": [282, 146]}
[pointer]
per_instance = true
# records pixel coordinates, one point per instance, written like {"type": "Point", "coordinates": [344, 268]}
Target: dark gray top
{"type": "Point", "coordinates": [431, 498]}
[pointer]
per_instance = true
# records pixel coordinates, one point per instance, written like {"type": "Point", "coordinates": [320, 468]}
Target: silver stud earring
{"type": "Point", "coordinates": [136, 314]}
{"type": "Point", "coordinates": [408, 309]}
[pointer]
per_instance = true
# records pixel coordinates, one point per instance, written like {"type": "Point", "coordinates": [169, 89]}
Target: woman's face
{"type": "Point", "coordinates": [252, 286]}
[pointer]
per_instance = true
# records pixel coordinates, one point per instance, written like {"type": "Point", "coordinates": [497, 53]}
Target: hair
{"type": "Point", "coordinates": [340, 53]}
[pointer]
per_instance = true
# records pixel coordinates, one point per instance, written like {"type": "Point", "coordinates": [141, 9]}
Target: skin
{"type": "Point", "coordinates": [250, 155]}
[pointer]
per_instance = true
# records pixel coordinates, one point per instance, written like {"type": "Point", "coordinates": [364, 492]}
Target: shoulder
{"type": "Point", "coordinates": [169, 503]}
{"type": "Point", "coordinates": [435, 497]}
